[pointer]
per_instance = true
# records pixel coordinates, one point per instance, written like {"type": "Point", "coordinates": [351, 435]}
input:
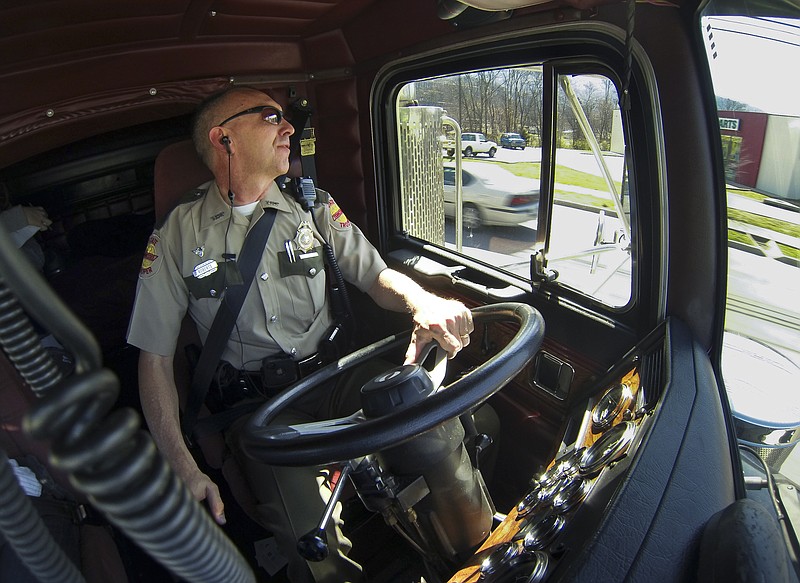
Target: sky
{"type": "Point", "coordinates": [757, 61]}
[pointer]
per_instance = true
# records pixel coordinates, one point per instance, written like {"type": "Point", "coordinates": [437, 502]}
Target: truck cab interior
{"type": "Point", "coordinates": [599, 315]}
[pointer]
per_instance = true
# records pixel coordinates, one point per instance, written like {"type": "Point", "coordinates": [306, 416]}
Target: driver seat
{"type": "Point", "coordinates": [177, 170]}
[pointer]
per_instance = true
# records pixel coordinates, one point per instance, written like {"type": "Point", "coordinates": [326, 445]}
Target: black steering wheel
{"type": "Point", "coordinates": [336, 440]}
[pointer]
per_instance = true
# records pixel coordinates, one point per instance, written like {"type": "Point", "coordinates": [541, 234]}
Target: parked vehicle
{"type": "Point", "coordinates": [599, 332]}
{"type": "Point", "coordinates": [491, 196]}
{"type": "Point", "coordinates": [472, 144]}
{"type": "Point", "coordinates": [512, 141]}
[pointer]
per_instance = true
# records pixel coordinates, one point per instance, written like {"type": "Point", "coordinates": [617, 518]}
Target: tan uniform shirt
{"type": "Point", "coordinates": [286, 308]}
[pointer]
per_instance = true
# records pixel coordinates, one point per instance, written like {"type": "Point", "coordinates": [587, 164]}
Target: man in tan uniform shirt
{"type": "Point", "coordinates": [286, 308]}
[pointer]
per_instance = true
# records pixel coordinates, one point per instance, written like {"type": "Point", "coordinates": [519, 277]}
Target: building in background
{"type": "Point", "coordinates": [756, 147]}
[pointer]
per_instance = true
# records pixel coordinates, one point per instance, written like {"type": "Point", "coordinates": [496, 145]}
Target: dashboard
{"type": "Point", "coordinates": [564, 504]}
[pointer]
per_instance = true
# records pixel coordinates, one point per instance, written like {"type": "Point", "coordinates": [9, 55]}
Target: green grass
{"type": "Point", "coordinates": [776, 225]}
{"type": "Point", "coordinates": [583, 199]}
{"type": "Point", "coordinates": [789, 251]}
{"type": "Point", "coordinates": [785, 227]}
{"type": "Point", "coordinates": [791, 229]}
{"type": "Point", "coordinates": [564, 174]}
{"type": "Point", "coordinates": [572, 177]}
{"type": "Point", "coordinates": [739, 237]}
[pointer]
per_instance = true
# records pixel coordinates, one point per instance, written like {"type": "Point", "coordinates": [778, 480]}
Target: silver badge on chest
{"type": "Point", "coordinates": [304, 239]}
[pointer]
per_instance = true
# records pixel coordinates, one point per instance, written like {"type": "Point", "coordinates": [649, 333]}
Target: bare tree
{"type": "Point", "coordinates": [503, 100]}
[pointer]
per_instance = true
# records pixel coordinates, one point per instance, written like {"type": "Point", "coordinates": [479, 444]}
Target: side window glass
{"type": "Point", "coordinates": [590, 238]}
{"type": "Point", "coordinates": [495, 219]}
{"type": "Point", "coordinates": [759, 123]}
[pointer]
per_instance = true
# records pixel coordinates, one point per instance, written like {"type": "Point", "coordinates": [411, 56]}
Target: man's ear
{"type": "Point", "coordinates": [219, 140]}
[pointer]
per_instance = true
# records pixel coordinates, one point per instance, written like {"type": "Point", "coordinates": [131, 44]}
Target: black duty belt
{"type": "Point", "coordinates": [243, 396]}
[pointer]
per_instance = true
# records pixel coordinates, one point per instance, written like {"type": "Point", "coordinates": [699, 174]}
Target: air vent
{"type": "Point", "coordinates": [653, 375]}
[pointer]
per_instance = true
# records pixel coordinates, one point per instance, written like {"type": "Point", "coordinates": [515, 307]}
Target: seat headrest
{"type": "Point", "coordinates": [177, 170]}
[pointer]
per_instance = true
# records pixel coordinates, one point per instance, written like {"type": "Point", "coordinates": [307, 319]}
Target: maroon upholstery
{"type": "Point", "coordinates": [177, 170]}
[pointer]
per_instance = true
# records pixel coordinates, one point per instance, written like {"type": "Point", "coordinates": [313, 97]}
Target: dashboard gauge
{"type": "Point", "coordinates": [500, 559]}
{"type": "Point", "coordinates": [538, 567]}
{"type": "Point", "coordinates": [541, 533]}
{"type": "Point", "coordinates": [610, 447]}
{"type": "Point", "coordinates": [532, 500]}
{"type": "Point", "coordinates": [613, 402]}
{"type": "Point", "coordinates": [564, 467]}
{"type": "Point", "coordinates": [512, 562]}
{"type": "Point", "coordinates": [571, 494]}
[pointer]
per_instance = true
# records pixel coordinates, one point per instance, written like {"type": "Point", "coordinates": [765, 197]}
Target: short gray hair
{"type": "Point", "coordinates": [206, 116]}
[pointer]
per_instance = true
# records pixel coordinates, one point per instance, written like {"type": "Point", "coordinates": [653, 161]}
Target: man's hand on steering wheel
{"type": "Point", "coordinates": [328, 441]}
{"type": "Point", "coordinates": [449, 322]}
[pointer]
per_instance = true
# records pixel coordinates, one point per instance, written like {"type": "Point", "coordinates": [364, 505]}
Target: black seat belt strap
{"type": "Point", "coordinates": [303, 141]}
{"type": "Point", "coordinates": [231, 304]}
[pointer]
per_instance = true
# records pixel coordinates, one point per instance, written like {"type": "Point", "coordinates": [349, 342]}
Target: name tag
{"type": "Point", "coordinates": [204, 269]}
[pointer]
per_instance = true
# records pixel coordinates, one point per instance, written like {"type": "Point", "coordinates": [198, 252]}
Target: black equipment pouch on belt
{"type": "Point", "coordinates": [281, 370]}
{"type": "Point", "coordinates": [278, 372]}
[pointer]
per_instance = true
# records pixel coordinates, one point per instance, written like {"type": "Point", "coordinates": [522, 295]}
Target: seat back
{"type": "Point", "coordinates": [178, 169]}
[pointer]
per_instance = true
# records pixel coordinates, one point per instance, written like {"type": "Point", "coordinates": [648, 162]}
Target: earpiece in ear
{"type": "Point", "coordinates": [226, 141]}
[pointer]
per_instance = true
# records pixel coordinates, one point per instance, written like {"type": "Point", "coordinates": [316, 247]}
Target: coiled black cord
{"type": "Point", "coordinates": [106, 456]}
{"type": "Point", "coordinates": [21, 345]}
{"type": "Point", "coordinates": [118, 466]}
{"type": "Point", "coordinates": [24, 530]}
{"type": "Point", "coordinates": [20, 523]}
{"type": "Point", "coordinates": [340, 298]}
{"type": "Point", "coordinates": [630, 14]}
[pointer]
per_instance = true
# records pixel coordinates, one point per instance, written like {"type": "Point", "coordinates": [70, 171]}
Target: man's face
{"type": "Point", "coordinates": [262, 147]}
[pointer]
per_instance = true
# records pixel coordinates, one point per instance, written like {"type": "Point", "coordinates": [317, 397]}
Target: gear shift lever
{"type": "Point", "coordinates": [313, 546]}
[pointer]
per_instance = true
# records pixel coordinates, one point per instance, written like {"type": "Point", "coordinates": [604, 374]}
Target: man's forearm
{"type": "Point", "coordinates": [160, 405]}
{"type": "Point", "coordinates": [447, 321]}
{"type": "Point", "coordinates": [161, 409]}
{"type": "Point", "coordinates": [396, 291]}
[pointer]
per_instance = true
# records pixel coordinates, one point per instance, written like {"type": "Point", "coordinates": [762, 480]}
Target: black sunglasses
{"type": "Point", "coordinates": [270, 114]}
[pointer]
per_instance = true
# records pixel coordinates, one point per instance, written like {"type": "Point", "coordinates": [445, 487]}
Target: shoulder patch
{"type": "Point", "coordinates": [152, 257]}
{"type": "Point", "coordinates": [339, 219]}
